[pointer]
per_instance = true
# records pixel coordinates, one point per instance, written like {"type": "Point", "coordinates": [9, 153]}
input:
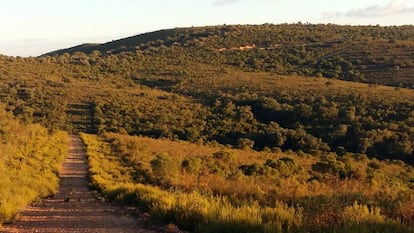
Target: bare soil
{"type": "Point", "coordinates": [75, 208]}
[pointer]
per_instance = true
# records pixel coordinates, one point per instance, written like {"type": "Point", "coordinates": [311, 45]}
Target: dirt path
{"type": "Point", "coordinates": [75, 208]}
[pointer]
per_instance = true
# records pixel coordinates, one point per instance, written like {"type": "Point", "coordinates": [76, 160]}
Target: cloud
{"type": "Point", "coordinates": [224, 2]}
{"type": "Point", "coordinates": [394, 7]}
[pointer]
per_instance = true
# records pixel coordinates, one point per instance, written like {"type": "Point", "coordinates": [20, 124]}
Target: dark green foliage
{"type": "Point", "coordinates": [252, 169]}
{"type": "Point", "coordinates": [329, 167]}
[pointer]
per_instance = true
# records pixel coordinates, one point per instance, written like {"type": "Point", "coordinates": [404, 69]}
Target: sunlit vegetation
{"type": "Point", "coordinates": [30, 160]}
{"type": "Point", "coordinates": [370, 54]}
{"type": "Point", "coordinates": [255, 128]}
{"type": "Point", "coordinates": [215, 188]}
{"type": "Point", "coordinates": [207, 103]}
{"type": "Point", "coordinates": [179, 89]}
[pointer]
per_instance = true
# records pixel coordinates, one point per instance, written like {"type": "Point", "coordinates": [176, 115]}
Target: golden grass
{"type": "Point", "coordinates": [268, 83]}
{"type": "Point", "coordinates": [30, 161]}
{"type": "Point", "coordinates": [113, 153]}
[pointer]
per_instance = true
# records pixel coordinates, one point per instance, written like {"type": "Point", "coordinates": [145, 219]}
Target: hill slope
{"type": "Point", "coordinates": [308, 142]}
{"type": "Point", "coordinates": [125, 44]}
{"type": "Point", "coordinates": [373, 54]}
{"type": "Point", "coordinates": [218, 189]}
{"type": "Point", "coordinates": [158, 94]}
{"type": "Point", "coordinates": [187, 87]}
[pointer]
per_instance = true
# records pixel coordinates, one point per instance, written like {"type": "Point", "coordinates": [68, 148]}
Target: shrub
{"type": "Point", "coordinates": [361, 218]}
{"type": "Point", "coordinates": [253, 169]}
{"type": "Point", "coordinates": [328, 167]}
{"type": "Point", "coordinates": [164, 166]}
{"type": "Point", "coordinates": [285, 166]}
{"type": "Point", "coordinates": [224, 155]}
{"type": "Point", "coordinates": [359, 213]}
{"type": "Point", "coordinates": [245, 143]}
{"type": "Point", "coordinates": [191, 165]}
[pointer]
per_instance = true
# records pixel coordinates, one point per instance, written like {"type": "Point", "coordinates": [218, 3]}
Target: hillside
{"type": "Point", "coordinates": [30, 159]}
{"type": "Point", "coordinates": [217, 189]}
{"type": "Point", "coordinates": [155, 93]}
{"type": "Point", "coordinates": [372, 54]}
{"type": "Point", "coordinates": [258, 128]}
{"type": "Point", "coordinates": [125, 44]}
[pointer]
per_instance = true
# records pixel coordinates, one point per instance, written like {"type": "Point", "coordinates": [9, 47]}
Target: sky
{"type": "Point", "coordinates": [34, 27]}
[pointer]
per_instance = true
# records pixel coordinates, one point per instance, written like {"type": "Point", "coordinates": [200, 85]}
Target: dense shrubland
{"type": "Point", "coordinates": [370, 54]}
{"type": "Point", "coordinates": [214, 188]}
{"type": "Point", "coordinates": [311, 115]}
{"type": "Point", "coordinates": [156, 95]}
{"type": "Point", "coordinates": [30, 160]}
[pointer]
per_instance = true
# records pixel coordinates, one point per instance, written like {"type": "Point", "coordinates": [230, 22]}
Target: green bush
{"type": "Point", "coordinates": [192, 165]}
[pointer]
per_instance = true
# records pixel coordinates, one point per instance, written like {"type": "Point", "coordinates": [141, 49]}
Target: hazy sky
{"type": "Point", "coordinates": [33, 27]}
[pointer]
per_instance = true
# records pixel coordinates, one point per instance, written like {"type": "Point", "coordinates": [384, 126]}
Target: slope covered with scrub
{"type": "Point", "coordinates": [30, 161]}
{"type": "Point", "coordinates": [373, 54]}
{"type": "Point", "coordinates": [219, 189]}
{"type": "Point", "coordinates": [286, 113]}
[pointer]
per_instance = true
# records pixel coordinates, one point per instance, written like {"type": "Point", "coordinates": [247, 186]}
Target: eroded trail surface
{"type": "Point", "coordinates": [75, 208]}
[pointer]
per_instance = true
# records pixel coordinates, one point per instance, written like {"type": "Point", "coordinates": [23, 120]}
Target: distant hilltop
{"type": "Point", "coordinates": [372, 54]}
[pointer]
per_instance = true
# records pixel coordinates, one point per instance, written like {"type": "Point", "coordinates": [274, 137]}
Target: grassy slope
{"type": "Point", "coordinates": [30, 160]}
{"type": "Point", "coordinates": [204, 188]}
